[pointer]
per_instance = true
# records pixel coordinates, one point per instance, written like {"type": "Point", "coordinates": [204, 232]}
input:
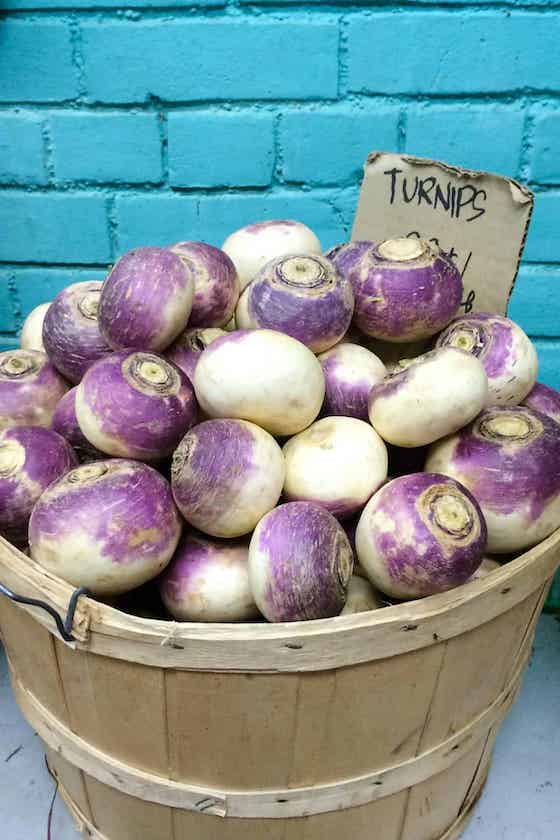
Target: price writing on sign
{"type": "Point", "coordinates": [468, 303]}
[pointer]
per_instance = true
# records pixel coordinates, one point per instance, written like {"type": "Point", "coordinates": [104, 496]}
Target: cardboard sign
{"type": "Point", "coordinates": [478, 219]}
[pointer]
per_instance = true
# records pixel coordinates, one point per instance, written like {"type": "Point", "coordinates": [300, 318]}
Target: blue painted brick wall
{"type": "Point", "coordinates": [160, 120]}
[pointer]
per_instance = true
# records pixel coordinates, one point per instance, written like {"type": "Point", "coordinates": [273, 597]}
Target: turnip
{"type": "Point", "coordinates": [135, 405]}
{"type": "Point", "coordinates": [31, 458]}
{"type": "Point", "coordinates": [350, 373]}
{"type": "Point", "coordinates": [486, 568]}
{"type": "Point", "coordinates": [509, 458]}
{"type": "Point", "coordinates": [544, 399]}
{"type": "Point", "coordinates": [70, 331]}
{"type": "Point", "coordinates": [405, 289]}
{"type": "Point", "coordinates": [65, 423]}
{"type": "Point", "coordinates": [263, 376]}
{"type": "Point", "coordinates": [252, 246]}
{"type": "Point", "coordinates": [433, 396]}
{"type": "Point", "coordinates": [420, 534]}
{"type": "Point", "coordinates": [109, 526]}
{"type": "Point", "coordinates": [338, 463]}
{"type": "Point", "coordinates": [361, 597]}
{"type": "Point", "coordinates": [216, 285]}
{"type": "Point", "coordinates": [300, 563]}
{"type": "Point", "coordinates": [146, 300]}
{"type": "Point", "coordinates": [226, 475]}
{"type": "Point", "coordinates": [301, 295]}
{"type": "Point", "coordinates": [186, 349]}
{"type": "Point", "coordinates": [508, 356]}
{"type": "Point", "coordinates": [30, 388]}
{"type": "Point", "coordinates": [31, 336]}
{"type": "Point", "coordinates": [231, 324]}
{"type": "Point", "coordinates": [208, 580]}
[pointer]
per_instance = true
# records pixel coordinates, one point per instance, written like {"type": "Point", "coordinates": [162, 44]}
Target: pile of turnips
{"type": "Point", "coordinates": [213, 423]}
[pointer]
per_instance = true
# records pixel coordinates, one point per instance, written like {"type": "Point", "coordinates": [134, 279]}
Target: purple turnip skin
{"type": "Point", "coordinates": [507, 353]}
{"type": "Point", "coordinates": [433, 396]}
{"type": "Point", "coordinates": [350, 373]}
{"type": "Point", "coordinates": [420, 534]}
{"type": "Point", "coordinates": [300, 563]}
{"type": "Point", "coordinates": [509, 458]}
{"type": "Point", "coordinates": [252, 246]}
{"type": "Point", "coordinates": [338, 463]}
{"type": "Point", "coordinates": [110, 526]}
{"type": "Point", "coordinates": [301, 295]}
{"type": "Point", "coordinates": [208, 580]}
{"type": "Point", "coordinates": [146, 300]}
{"type": "Point", "coordinates": [226, 475]}
{"type": "Point", "coordinates": [31, 336]}
{"type": "Point", "coordinates": [70, 330]}
{"type": "Point", "coordinates": [65, 423]}
{"type": "Point", "coordinates": [544, 399]}
{"type": "Point", "coordinates": [361, 596]}
{"type": "Point", "coordinates": [216, 285]}
{"type": "Point", "coordinates": [404, 289]}
{"type": "Point", "coordinates": [263, 376]}
{"type": "Point", "coordinates": [186, 349]}
{"type": "Point", "coordinates": [31, 458]}
{"type": "Point", "coordinates": [135, 405]}
{"type": "Point", "coordinates": [30, 388]}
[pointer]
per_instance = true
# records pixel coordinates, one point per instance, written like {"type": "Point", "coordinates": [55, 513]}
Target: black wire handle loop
{"type": "Point", "coordinates": [63, 627]}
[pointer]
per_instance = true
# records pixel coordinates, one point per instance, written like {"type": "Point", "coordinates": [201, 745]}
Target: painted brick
{"type": "Point", "coordinates": [36, 62]}
{"type": "Point", "coordinates": [21, 150]}
{"type": "Point", "coordinates": [155, 220]}
{"type": "Point", "coordinates": [8, 343]}
{"type": "Point", "coordinates": [38, 285]}
{"type": "Point", "coordinates": [46, 227]}
{"type": "Point", "coordinates": [108, 4]}
{"type": "Point", "coordinates": [549, 369]}
{"type": "Point", "coordinates": [211, 59]}
{"type": "Point", "coordinates": [545, 159]}
{"type": "Point", "coordinates": [119, 148]}
{"type": "Point", "coordinates": [330, 146]}
{"type": "Point", "coordinates": [535, 302]}
{"type": "Point", "coordinates": [221, 215]}
{"type": "Point", "coordinates": [8, 322]}
{"type": "Point", "coordinates": [208, 149]}
{"type": "Point", "coordinates": [446, 52]}
{"type": "Point", "coordinates": [476, 137]}
{"type": "Point", "coordinates": [543, 241]}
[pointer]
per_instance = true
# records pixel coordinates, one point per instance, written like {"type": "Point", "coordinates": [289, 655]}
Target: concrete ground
{"type": "Point", "coordinates": [521, 801]}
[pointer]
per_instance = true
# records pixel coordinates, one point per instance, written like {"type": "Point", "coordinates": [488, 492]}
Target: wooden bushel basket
{"type": "Point", "coordinates": [376, 725]}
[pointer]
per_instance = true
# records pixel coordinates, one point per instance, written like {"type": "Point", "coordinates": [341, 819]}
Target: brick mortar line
{"type": "Point", "coordinates": [264, 11]}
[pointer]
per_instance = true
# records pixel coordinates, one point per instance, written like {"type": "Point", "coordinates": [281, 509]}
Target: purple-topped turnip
{"type": "Point", "coordinates": [226, 475]}
{"type": "Point", "coordinates": [30, 388]}
{"type": "Point", "coordinates": [433, 396]}
{"type": "Point", "coordinates": [420, 534]}
{"type": "Point", "coordinates": [252, 246]}
{"type": "Point", "coordinates": [301, 295]}
{"type": "Point", "coordinates": [263, 376]}
{"type": "Point", "coordinates": [361, 597]}
{"type": "Point", "coordinates": [404, 289]}
{"type": "Point", "coordinates": [216, 285]}
{"type": "Point", "coordinates": [135, 405]}
{"type": "Point", "coordinates": [109, 525]}
{"type": "Point", "coordinates": [544, 399]}
{"type": "Point", "coordinates": [146, 300]}
{"type": "Point", "coordinates": [300, 563]}
{"type": "Point", "coordinates": [509, 458]}
{"type": "Point", "coordinates": [31, 336]}
{"type": "Point", "coordinates": [350, 373]}
{"type": "Point", "coordinates": [31, 458]}
{"type": "Point", "coordinates": [186, 349]}
{"type": "Point", "coordinates": [208, 580]}
{"type": "Point", "coordinates": [70, 331]}
{"type": "Point", "coordinates": [338, 463]}
{"type": "Point", "coordinates": [65, 423]}
{"type": "Point", "coordinates": [509, 357]}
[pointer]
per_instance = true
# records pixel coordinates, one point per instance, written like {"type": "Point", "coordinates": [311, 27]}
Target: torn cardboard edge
{"type": "Point", "coordinates": [480, 219]}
